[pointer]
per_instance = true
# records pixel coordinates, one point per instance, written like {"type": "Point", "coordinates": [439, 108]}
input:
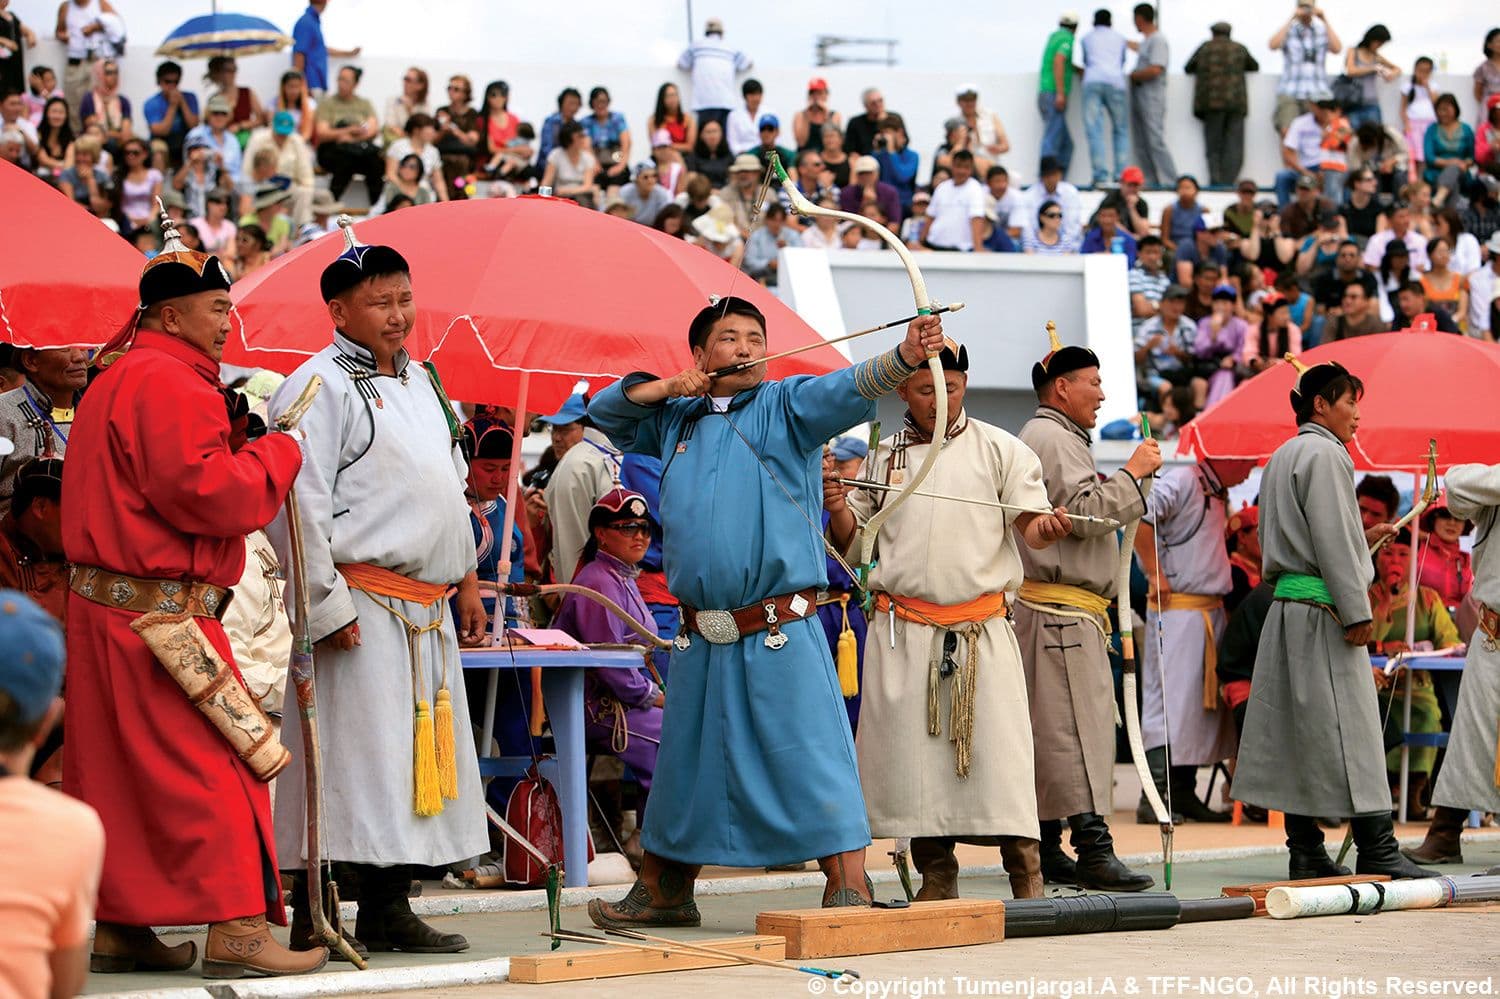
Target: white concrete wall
{"type": "Point", "coordinates": [924, 99]}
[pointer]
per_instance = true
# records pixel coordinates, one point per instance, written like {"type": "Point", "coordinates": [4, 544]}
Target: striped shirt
{"type": "Point", "coordinates": [1305, 48]}
{"type": "Point", "coordinates": [1153, 286]}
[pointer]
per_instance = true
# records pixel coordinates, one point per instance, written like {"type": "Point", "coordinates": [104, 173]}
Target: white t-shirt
{"type": "Point", "coordinates": [401, 149]}
{"type": "Point", "coordinates": [1484, 287]}
{"type": "Point", "coordinates": [1305, 135]}
{"type": "Point", "coordinates": [743, 133]}
{"type": "Point", "coordinates": [714, 66]}
{"type": "Point", "coordinates": [951, 209]}
{"type": "Point", "coordinates": [1023, 214]}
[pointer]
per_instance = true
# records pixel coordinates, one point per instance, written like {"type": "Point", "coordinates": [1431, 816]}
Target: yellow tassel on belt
{"type": "Point", "coordinates": [848, 655]}
{"type": "Point", "coordinates": [1204, 605]}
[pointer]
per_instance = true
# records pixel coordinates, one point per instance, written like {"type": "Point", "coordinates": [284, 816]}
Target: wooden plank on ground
{"type": "Point", "coordinates": [1258, 891]}
{"type": "Point", "coordinates": [612, 962]}
{"type": "Point", "coordinates": [815, 933]}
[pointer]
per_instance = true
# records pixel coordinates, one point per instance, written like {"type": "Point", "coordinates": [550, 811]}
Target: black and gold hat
{"type": "Point", "coordinates": [1060, 360]}
{"type": "Point", "coordinates": [954, 356]}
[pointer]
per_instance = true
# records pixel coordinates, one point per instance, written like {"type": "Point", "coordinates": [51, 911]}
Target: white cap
{"type": "Point", "coordinates": [966, 88]}
{"type": "Point", "coordinates": [1068, 18]}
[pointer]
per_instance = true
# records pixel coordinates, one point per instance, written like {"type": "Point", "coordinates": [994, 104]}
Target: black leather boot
{"type": "Point", "coordinates": [386, 921]}
{"type": "Point", "coordinates": [1309, 858]}
{"type": "Point", "coordinates": [1379, 853]}
{"type": "Point", "coordinates": [303, 937]}
{"type": "Point", "coordinates": [1097, 866]}
{"type": "Point", "coordinates": [1441, 845]}
{"type": "Point", "coordinates": [1185, 797]}
{"type": "Point", "coordinates": [1057, 867]}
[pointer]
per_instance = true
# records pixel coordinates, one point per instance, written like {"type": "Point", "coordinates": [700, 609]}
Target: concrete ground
{"type": "Point", "coordinates": [1257, 954]}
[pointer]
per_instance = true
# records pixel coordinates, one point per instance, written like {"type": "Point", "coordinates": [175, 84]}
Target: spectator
{"type": "Point", "coordinates": [770, 130]}
{"type": "Point", "coordinates": [1328, 288]}
{"type": "Point", "coordinates": [1447, 150]}
{"type": "Point", "coordinates": [807, 178]}
{"type": "Point", "coordinates": [81, 29]}
{"type": "Point", "coordinates": [1484, 292]}
{"type": "Point", "coordinates": [763, 248]}
{"type": "Point", "coordinates": [1047, 237]}
{"type": "Point", "coordinates": [1411, 302]}
{"type": "Point", "coordinates": [1148, 280]}
{"type": "Point", "coordinates": [1148, 99]}
{"type": "Point", "coordinates": [743, 128]}
{"type": "Point", "coordinates": [1275, 336]}
{"type": "Point", "coordinates": [1300, 217]}
{"type": "Point", "coordinates": [740, 193]}
{"type": "Point", "coordinates": [714, 65]}
{"type": "Point", "coordinates": [1240, 217]}
{"type": "Point", "coordinates": [998, 238]}
{"type": "Point", "coordinates": [139, 184]}
{"type": "Point", "coordinates": [956, 136]}
{"type": "Point", "coordinates": [1356, 315]}
{"type": "Point", "coordinates": [245, 112]}
{"type": "Point", "coordinates": [1134, 213]}
{"type": "Point", "coordinates": [997, 180]}
{"type": "Point", "coordinates": [1442, 286]}
{"type": "Point", "coordinates": [898, 161]}
{"type": "Point", "coordinates": [293, 160]}
{"type": "Point", "coordinates": [1398, 229]}
{"type": "Point", "coordinates": [914, 226]}
{"type": "Point", "coordinates": [310, 52]}
{"type": "Point", "coordinates": [293, 98]}
{"type": "Point", "coordinates": [1417, 111]}
{"type": "Point", "coordinates": [106, 106]}
{"type": "Point", "coordinates": [54, 152]}
{"type": "Point", "coordinates": [572, 171]}
{"type": "Point", "coordinates": [645, 197]}
{"type": "Point", "coordinates": [864, 127]}
{"type": "Point", "coordinates": [15, 39]}
{"type": "Point", "coordinates": [711, 156]}
{"type": "Point", "coordinates": [1221, 102]}
{"type": "Point", "coordinates": [171, 112]}
{"type": "Point", "coordinates": [1365, 65]}
{"type": "Point", "coordinates": [268, 214]}
{"type": "Point", "coordinates": [1467, 256]}
{"type": "Point", "coordinates": [503, 151]}
{"type": "Point", "coordinates": [1316, 254]}
{"type": "Point", "coordinates": [216, 229]}
{"type": "Point", "coordinates": [1206, 246]}
{"type": "Point", "coordinates": [408, 185]}
{"type": "Point", "coordinates": [13, 119]}
{"type": "Point", "coordinates": [87, 182]}
{"type": "Point", "coordinates": [610, 139]}
{"type": "Point", "coordinates": [986, 134]}
{"type": "Point", "coordinates": [1164, 347]}
{"type": "Point", "coordinates": [1305, 41]}
{"type": "Point", "coordinates": [347, 129]}
{"type": "Point", "coordinates": [836, 159]}
{"type": "Point", "coordinates": [807, 124]}
{"type": "Point", "coordinates": [41, 87]}
{"type": "Point", "coordinates": [1487, 142]}
{"type": "Point", "coordinates": [823, 233]}
{"type": "Point", "coordinates": [1300, 303]}
{"type": "Point", "coordinates": [668, 114]}
{"type": "Point", "coordinates": [412, 100]}
{"type": "Point", "coordinates": [1105, 120]}
{"type": "Point", "coordinates": [867, 184]}
{"type": "Point", "coordinates": [1481, 218]}
{"type": "Point", "coordinates": [1179, 220]}
{"type": "Point", "coordinates": [670, 221]}
{"type": "Point", "coordinates": [1418, 194]}
{"type": "Point", "coordinates": [1107, 237]}
{"type": "Point", "coordinates": [957, 209]}
{"type": "Point", "coordinates": [1219, 346]}
{"type": "Point", "coordinates": [1050, 186]}
{"type": "Point", "coordinates": [421, 131]}
{"type": "Point", "coordinates": [569, 103]}
{"type": "Point", "coordinates": [1313, 148]}
{"type": "Point", "coordinates": [1361, 212]}
{"type": "Point", "coordinates": [1054, 85]}
{"type": "Point", "coordinates": [214, 131]}
{"type": "Point", "coordinates": [51, 845]}
{"type": "Point", "coordinates": [13, 148]}
{"type": "Point", "coordinates": [252, 250]}
{"type": "Point", "coordinates": [1487, 73]}
{"type": "Point", "coordinates": [1206, 277]}
{"type": "Point", "coordinates": [1394, 271]}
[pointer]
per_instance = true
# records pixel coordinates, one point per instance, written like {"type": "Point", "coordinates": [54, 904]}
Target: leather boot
{"type": "Point", "coordinates": [1185, 797]}
{"type": "Point", "coordinates": [1441, 845]}
{"type": "Point", "coordinates": [1156, 760]}
{"type": "Point", "coordinates": [1057, 867]}
{"type": "Point", "coordinates": [1022, 857]}
{"type": "Point", "coordinates": [1308, 857]}
{"type": "Point", "coordinates": [844, 871]}
{"type": "Point", "coordinates": [303, 937]}
{"type": "Point", "coordinates": [385, 920]}
{"type": "Point", "coordinates": [1098, 867]}
{"type": "Point", "coordinates": [118, 948]}
{"type": "Point", "coordinates": [934, 859]}
{"type": "Point", "coordinates": [1375, 837]}
{"type": "Point", "coordinates": [1416, 790]}
{"type": "Point", "coordinates": [661, 896]}
{"type": "Point", "coordinates": [244, 946]}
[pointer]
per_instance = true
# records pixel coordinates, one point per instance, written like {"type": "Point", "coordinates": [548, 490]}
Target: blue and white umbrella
{"type": "Point", "coordinates": [218, 34]}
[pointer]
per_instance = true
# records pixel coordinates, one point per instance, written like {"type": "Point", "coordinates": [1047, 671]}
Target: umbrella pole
{"type": "Point", "coordinates": [1411, 634]}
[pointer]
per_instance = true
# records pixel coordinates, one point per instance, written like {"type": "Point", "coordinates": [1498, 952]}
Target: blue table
{"type": "Point", "coordinates": [562, 689]}
{"type": "Point", "coordinates": [1447, 671]}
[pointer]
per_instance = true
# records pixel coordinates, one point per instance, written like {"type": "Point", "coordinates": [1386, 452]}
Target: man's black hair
{"type": "Point", "coordinates": [1150, 239]}
{"type": "Point", "coordinates": [1145, 12]}
{"type": "Point", "coordinates": [168, 68]}
{"type": "Point", "coordinates": [1382, 490]}
{"type": "Point", "coordinates": [751, 86]}
{"type": "Point", "coordinates": [710, 314]}
{"type": "Point", "coordinates": [996, 171]}
{"type": "Point", "coordinates": [962, 156]}
{"type": "Point", "coordinates": [566, 93]}
{"type": "Point", "coordinates": [1331, 392]}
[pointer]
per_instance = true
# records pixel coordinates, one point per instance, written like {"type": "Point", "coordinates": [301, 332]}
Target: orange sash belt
{"type": "Point", "coordinates": [391, 585]}
{"type": "Point", "coordinates": [981, 608]}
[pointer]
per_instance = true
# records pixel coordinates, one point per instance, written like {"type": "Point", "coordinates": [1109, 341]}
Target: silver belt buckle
{"type": "Point", "coordinates": [717, 626]}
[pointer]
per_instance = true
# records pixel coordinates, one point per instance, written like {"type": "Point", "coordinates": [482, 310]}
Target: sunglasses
{"type": "Point", "coordinates": [135, 152]}
{"type": "Point", "coordinates": [1051, 215]}
{"type": "Point", "coordinates": [632, 528]}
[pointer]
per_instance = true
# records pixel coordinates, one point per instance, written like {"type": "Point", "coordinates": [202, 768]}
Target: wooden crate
{"type": "Point", "coordinates": [1258, 891]}
{"type": "Point", "coordinates": [613, 962]}
{"type": "Point", "coordinates": [815, 933]}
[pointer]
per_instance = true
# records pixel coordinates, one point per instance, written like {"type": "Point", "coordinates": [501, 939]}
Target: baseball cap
{"type": "Point", "coordinates": [1307, 182]}
{"type": "Point", "coordinates": [924, 196]}
{"type": "Point", "coordinates": [572, 411]}
{"type": "Point", "coordinates": [1175, 291]}
{"type": "Point", "coordinates": [817, 83]}
{"type": "Point", "coordinates": [745, 163]}
{"type": "Point", "coordinates": [849, 447]}
{"type": "Point", "coordinates": [283, 124]}
{"type": "Point", "coordinates": [197, 142]}
{"type": "Point", "coordinates": [713, 26]}
{"type": "Point", "coordinates": [1069, 19]}
{"type": "Point", "coordinates": [1132, 175]}
{"type": "Point", "coordinates": [1328, 219]}
{"type": "Point", "coordinates": [1246, 184]}
{"type": "Point", "coordinates": [32, 666]}
{"type": "Point", "coordinates": [966, 90]}
{"type": "Point", "coordinates": [216, 105]}
{"type": "Point", "coordinates": [867, 164]}
{"type": "Point", "coordinates": [768, 121]}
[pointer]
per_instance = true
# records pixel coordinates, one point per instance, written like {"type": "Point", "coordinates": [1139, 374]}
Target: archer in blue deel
{"type": "Point", "coordinates": [757, 765]}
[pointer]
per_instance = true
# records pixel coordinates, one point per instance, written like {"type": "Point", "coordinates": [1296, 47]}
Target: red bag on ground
{"type": "Point", "coordinates": [533, 810]}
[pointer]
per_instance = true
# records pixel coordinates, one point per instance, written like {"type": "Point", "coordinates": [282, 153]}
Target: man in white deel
{"type": "Point", "coordinates": [714, 65]}
{"type": "Point", "coordinates": [588, 469]}
{"type": "Point", "coordinates": [958, 209]}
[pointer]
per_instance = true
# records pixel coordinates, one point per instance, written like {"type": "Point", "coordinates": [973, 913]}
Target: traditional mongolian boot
{"type": "Point", "coordinates": [1185, 798]}
{"type": "Point", "coordinates": [1098, 867]}
{"type": "Point", "coordinates": [1416, 789]}
{"type": "Point", "coordinates": [303, 937]}
{"type": "Point", "coordinates": [844, 870]}
{"type": "Point", "coordinates": [1022, 857]}
{"type": "Point", "coordinates": [1375, 837]}
{"type": "Point", "coordinates": [661, 896]}
{"type": "Point", "coordinates": [934, 859]}
{"type": "Point", "coordinates": [1441, 845]}
{"type": "Point", "coordinates": [243, 946]}
{"type": "Point", "coordinates": [118, 947]}
{"type": "Point", "coordinates": [385, 920]}
{"type": "Point", "coordinates": [1156, 760]}
{"type": "Point", "coordinates": [1309, 859]}
{"type": "Point", "coordinates": [1057, 867]}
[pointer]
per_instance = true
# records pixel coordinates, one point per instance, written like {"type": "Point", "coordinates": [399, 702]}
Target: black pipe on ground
{"type": "Point", "coordinates": [1045, 917]}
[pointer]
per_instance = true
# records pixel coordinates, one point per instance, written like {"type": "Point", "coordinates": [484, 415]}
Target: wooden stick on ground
{"type": "Point", "coordinates": [714, 952]}
{"type": "Point", "coordinates": [660, 944]}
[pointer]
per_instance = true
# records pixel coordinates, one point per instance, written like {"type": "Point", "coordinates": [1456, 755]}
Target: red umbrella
{"type": "Point", "coordinates": [531, 284]}
{"type": "Point", "coordinates": [1419, 384]}
{"type": "Point", "coordinates": [66, 280]}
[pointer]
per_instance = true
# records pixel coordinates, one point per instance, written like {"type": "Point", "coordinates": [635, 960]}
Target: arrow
{"type": "Point", "coordinates": [735, 369]}
{"type": "Point", "coordinates": [882, 487]}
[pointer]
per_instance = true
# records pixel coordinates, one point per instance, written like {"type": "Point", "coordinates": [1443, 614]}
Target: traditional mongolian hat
{"type": "Point", "coordinates": [358, 263]}
{"type": "Point", "coordinates": [1245, 516]}
{"type": "Point", "coordinates": [1060, 360]}
{"type": "Point", "coordinates": [487, 440]}
{"type": "Point", "coordinates": [619, 504]}
{"type": "Point", "coordinates": [954, 356]}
